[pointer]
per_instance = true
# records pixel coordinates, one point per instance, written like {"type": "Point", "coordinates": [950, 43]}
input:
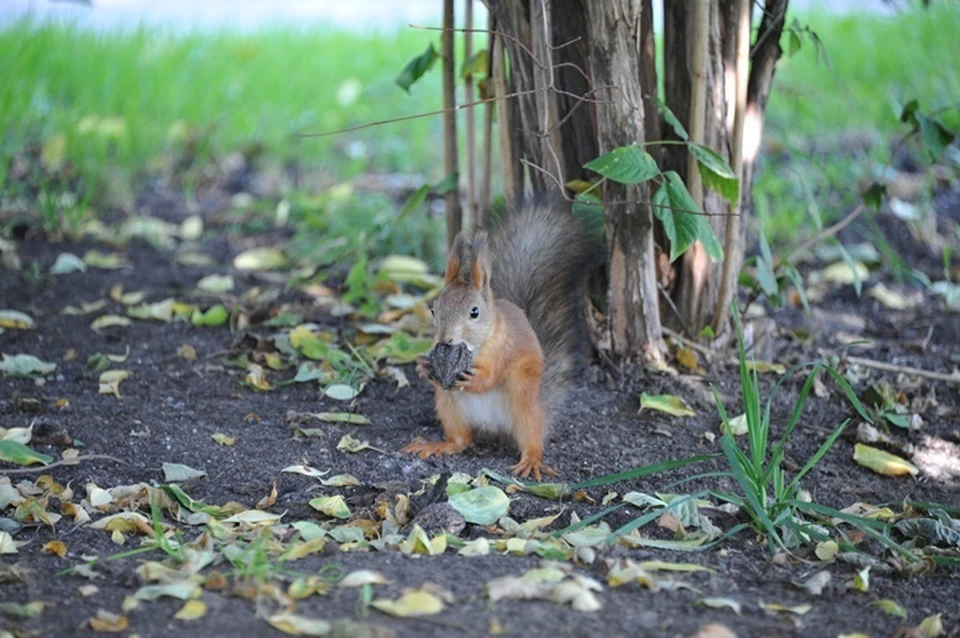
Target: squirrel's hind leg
{"type": "Point", "coordinates": [457, 434]}
{"type": "Point", "coordinates": [528, 430]}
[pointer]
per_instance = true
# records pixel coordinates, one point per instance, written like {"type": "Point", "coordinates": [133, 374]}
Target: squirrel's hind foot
{"type": "Point", "coordinates": [532, 464]}
{"type": "Point", "coordinates": [425, 449]}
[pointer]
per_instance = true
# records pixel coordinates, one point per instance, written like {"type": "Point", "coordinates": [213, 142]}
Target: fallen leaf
{"type": "Point", "coordinates": [765, 367]}
{"type": "Point", "coordinates": [158, 311]}
{"type": "Point", "coordinates": [331, 506]}
{"type": "Point", "coordinates": [181, 590]}
{"type": "Point", "coordinates": [669, 403]}
{"type": "Point", "coordinates": [110, 381]}
{"type": "Point", "coordinates": [257, 379]}
{"type": "Point", "coordinates": [482, 505]}
{"type": "Point", "coordinates": [20, 454]}
{"type": "Point", "coordinates": [191, 610]}
{"type": "Point", "coordinates": [363, 577]}
{"type": "Point", "coordinates": [7, 544]}
{"type": "Point", "coordinates": [799, 610]}
{"type": "Point", "coordinates": [260, 259]}
{"type": "Point", "coordinates": [827, 550]}
{"type": "Point", "coordinates": [860, 582]}
{"type": "Point", "coordinates": [815, 584]}
{"type": "Point", "coordinates": [890, 607]}
{"type": "Point", "coordinates": [187, 352]}
{"type": "Point", "coordinates": [67, 263]}
{"type": "Point", "coordinates": [22, 610]}
{"type": "Point", "coordinates": [411, 604]}
{"type": "Point", "coordinates": [721, 603]}
{"type": "Point", "coordinates": [352, 445]}
{"type": "Point", "coordinates": [107, 622]}
{"type": "Point", "coordinates": [340, 392]}
{"type": "Point", "coordinates": [178, 473]}
{"type": "Point", "coordinates": [883, 462]}
{"type": "Point", "coordinates": [216, 315]}
{"type": "Point", "coordinates": [56, 548]}
{"type": "Point", "coordinates": [931, 626]}
{"type": "Point", "coordinates": [890, 298]}
{"type": "Point", "coordinates": [295, 625]}
{"type": "Point", "coordinates": [25, 366]}
{"type": "Point", "coordinates": [341, 480]}
{"type": "Point", "coordinates": [15, 320]}
{"type": "Point", "coordinates": [126, 299]}
{"type": "Point", "coordinates": [223, 439]}
{"type": "Point", "coordinates": [105, 261]}
{"type": "Point", "coordinates": [110, 321]}
{"type": "Point", "coordinates": [841, 272]}
{"type": "Point", "coordinates": [217, 284]}
{"type": "Point", "coordinates": [301, 550]}
{"type": "Point", "coordinates": [191, 228]}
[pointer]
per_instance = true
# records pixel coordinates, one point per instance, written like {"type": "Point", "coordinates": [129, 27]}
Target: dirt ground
{"type": "Point", "coordinates": [170, 407]}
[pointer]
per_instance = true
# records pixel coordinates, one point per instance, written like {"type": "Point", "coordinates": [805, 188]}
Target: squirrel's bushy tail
{"type": "Point", "coordinates": [542, 256]}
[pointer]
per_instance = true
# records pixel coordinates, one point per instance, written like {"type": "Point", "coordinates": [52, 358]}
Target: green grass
{"type": "Point", "coordinates": [192, 98]}
{"type": "Point", "coordinates": [233, 90]}
{"type": "Point", "coordinates": [818, 108]}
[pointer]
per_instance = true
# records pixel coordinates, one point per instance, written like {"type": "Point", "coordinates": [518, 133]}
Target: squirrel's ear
{"type": "Point", "coordinates": [480, 268]}
{"type": "Point", "coordinates": [454, 257]}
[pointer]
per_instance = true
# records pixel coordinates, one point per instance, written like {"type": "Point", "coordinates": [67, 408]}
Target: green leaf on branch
{"type": "Point", "coordinates": [672, 120]}
{"type": "Point", "coordinates": [936, 138]}
{"type": "Point", "coordinates": [417, 67]}
{"type": "Point", "coordinates": [873, 196]}
{"type": "Point", "coordinates": [476, 65]}
{"type": "Point", "coordinates": [626, 165]}
{"type": "Point", "coordinates": [683, 221]}
{"type": "Point", "coordinates": [716, 173]}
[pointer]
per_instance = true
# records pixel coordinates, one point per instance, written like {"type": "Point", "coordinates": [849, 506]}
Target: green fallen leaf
{"type": "Point", "coordinates": [482, 505]}
{"type": "Point", "coordinates": [331, 506]}
{"type": "Point", "coordinates": [216, 315]}
{"type": "Point", "coordinates": [178, 473]}
{"type": "Point", "coordinates": [340, 392]}
{"type": "Point", "coordinates": [260, 259]}
{"type": "Point", "coordinates": [721, 603]}
{"type": "Point", "coordinates": [890, 607]}
{"type": "Point", "coordinates": [110, 321]}
{"type": "Point", "coordinates": [216, 284]}
{"type": "Point", "coordinates": [669, 403]}
{"type": "Point", "coordinates": [20, 454]}
{"type": "Point", "coordinates": [25, 366]}
{"type": "Point", "coordinates": [105, 261]}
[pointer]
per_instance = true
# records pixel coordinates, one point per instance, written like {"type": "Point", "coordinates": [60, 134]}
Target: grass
{"type": "Point", "coordinates": [834, 118]}
{"type": "Point", "coordinates": [121, 105]}
{"type": "Point", "coordinates": [225, 90]}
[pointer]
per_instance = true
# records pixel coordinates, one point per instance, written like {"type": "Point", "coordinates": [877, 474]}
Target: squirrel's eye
{"type": "Point", "coordinates": [474, 312]}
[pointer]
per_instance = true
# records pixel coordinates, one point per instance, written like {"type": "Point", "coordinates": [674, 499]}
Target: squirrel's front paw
{"type": "Point", "coordinates": [464, 379]}
{"type": "Point", "coordinates": [425, 369]}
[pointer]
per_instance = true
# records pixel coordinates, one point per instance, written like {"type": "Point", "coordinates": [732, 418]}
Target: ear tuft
{"type": "Point", "coordinates": [480, 268]}
{"type": "Point", "coordinates": [454, 257]}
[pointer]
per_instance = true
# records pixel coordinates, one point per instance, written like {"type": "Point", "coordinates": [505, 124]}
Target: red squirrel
{"type": "Point", "coordinates": [515, 297]}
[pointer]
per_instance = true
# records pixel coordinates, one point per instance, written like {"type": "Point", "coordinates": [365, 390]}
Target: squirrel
{"type": "Point", "coordinates": [514, 295]}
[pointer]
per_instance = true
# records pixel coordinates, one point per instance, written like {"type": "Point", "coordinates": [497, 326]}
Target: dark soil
{"type": "Point", "coordinates": [170, 407]}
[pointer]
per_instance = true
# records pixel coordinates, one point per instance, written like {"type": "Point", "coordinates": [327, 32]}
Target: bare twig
{"type": "Point", "coordinates": [826, 232]}
{"type": "Point", "coordinates": [74, 461]}
{"type": "Point", "coordinates": [470, 214]}
{"type": "Point", "coordinates": [454, 217]}
{"type": "Point", "coordinates": [918, 372]}
{"type": "Point", "coordinates": [693, 345]}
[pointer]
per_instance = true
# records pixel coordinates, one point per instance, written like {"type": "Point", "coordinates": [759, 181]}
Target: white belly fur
{"type": "Point", "coordinates": [489, 411]}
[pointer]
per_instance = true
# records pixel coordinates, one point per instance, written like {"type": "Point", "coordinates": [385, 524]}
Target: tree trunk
{"type": "Point", "coordinates": [450, 163]}
{"type": "Point", "coordinates": [585, 71]}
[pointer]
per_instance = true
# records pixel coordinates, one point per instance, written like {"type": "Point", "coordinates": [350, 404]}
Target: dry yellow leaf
{"type": "Point", "coordinates": [56, 548]}
{"type": "Point", "coordinates": [883, 462]}
{"type": "Point", "coordinates": [108, 622]}
{"type": "Point", "coordinates": [191, 610]}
